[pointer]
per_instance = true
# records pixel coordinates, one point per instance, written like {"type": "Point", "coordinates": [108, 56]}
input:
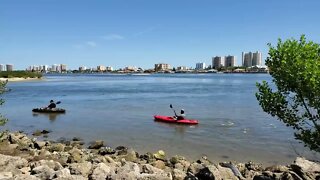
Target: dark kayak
{"type": "Point", "coordinates": [170, 119]}
{"type": "Point", "coordinates": [47, 110]}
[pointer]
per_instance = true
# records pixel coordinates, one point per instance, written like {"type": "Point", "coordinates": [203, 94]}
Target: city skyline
{"type": "Point", "coordinates": [143, 33]}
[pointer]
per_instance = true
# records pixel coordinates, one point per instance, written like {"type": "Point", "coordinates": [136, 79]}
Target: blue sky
{"type": "Point", "coordinates": [141, 33]}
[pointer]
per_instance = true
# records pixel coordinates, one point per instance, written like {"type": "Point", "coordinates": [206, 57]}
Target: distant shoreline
{"type": "Point", "coordinates": [18, 79]}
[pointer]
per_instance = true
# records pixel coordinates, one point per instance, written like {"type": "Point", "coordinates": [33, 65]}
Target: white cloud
{"type": "Point", "coordinates": [91, 43]}
{"type": "Point", "coordinates": [113, 37]}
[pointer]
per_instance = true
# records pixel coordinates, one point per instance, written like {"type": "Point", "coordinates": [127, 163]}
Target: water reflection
{"type": "Point", "coordinates": [51, 116]}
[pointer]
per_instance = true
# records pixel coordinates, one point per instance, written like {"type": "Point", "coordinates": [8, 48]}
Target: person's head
{"type": "Point", "coordinates": [51, 101]}
{"type": "Point", "coordinates": [182, 111]}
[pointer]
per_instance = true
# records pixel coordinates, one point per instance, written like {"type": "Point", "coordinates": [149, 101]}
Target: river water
{"type": "Point", "coordinates": [119, 109]}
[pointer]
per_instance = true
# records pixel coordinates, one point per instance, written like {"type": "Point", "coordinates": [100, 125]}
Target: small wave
{"type": "Point", "coordinates": [228, 124]}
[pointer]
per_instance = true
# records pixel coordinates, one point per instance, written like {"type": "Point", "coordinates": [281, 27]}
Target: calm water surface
{"type": "Point", "coordinates": [119, 109]}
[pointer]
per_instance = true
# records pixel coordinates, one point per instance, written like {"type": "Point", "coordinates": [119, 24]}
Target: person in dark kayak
{"type": "Point", "coordinates": [182, 115]}
{"type": "Point", "coordinates": [52, 104]}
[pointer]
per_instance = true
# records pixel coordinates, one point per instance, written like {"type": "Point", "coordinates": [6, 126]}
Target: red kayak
{"type": "Point", "coordinates": [170, 119]}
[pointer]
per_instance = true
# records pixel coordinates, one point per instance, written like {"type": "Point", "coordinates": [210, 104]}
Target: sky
{"type": "Point", "coordinates": [141, 33]}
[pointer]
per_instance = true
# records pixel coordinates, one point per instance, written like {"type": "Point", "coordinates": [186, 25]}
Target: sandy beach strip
{"type": "Point", "coordinates": [16, 79]}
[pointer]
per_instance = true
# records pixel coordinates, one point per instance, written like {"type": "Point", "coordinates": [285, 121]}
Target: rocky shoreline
{"type": "Point", "coordinates": [22, 157]}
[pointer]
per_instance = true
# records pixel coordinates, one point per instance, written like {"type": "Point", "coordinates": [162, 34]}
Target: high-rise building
{"type": "Point", "coordinates": [230, 61]}
{"type": "Point", "coordinates": [109, 68]}
{"type": "Point", "coordinates": [54, 68]}
{"type": "Point", "coordinates": [251, 59]}
{"type": "Point", "coordinates": [218, 62]}
{"type": "Point", "coordinates": [182, 68]}
{"type": "Point", "coordinates": [200, 66]}
{"type": "Point", "coordinates": [63, 67]}
{"type": "Point", "coordinates": [101, 68]}
{"type": "Point", "coordinates": [257, 59]}
{"type": "Point", "coordinates": [82, 68]}
{"type": "Point", "coordinates": [161, 67]}
{"type": "Point", "coordinates": [9, 67]}
{"type": "Point", "coordinates": [1, 67]}
{"type": "Point", "coordinates": [247, 59]}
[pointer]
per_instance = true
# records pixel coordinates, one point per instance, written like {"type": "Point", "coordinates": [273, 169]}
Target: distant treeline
{"type": "Point", "coordinates": [19, 74]}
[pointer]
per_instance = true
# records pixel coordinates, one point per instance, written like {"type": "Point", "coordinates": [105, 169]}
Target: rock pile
{"type": "Point", "coordinates": [25, 158]}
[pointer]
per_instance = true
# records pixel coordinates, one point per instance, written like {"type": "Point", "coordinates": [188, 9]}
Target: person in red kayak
{"type": "Point", "coordinates": [182, 115]}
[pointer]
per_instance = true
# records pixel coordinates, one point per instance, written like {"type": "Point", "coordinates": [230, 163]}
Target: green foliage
{"type": "Point", "coordinates": [3, 89]}
{"type": "Point", "coordinates": [20, 74]}
{"type": "Point", "coordinates": [295, 68]}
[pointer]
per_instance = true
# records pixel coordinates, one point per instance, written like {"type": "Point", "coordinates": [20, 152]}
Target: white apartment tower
{"type": "Point", "coordinates": [251, 59]}
{"type": "Point", "coordinates": [230, 61]}
{"type": "Point", "coordinates": [200, 66]}
{"type": "Point", "coordinates": [218, 61]}
{"type": "Point", "coordinates": [257, 59]}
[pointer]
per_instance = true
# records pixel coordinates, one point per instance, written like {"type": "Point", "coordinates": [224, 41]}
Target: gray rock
{"type": "Point", "coordinates": [233, 168]}
{"type": "Point", "coordinates": [83, 169]}
{"type": "Point", "coordinates": [159, 164]}
{"type": "Point", "coordinates": [42, 172]}
{"type": "Point", "coordinates": [144, 176]}
{"type": "Point", "coordinates": [96, 144]}
{"type": "Point", "coordinates": [177, 159]}
{"type": "Point", "coordinates": [148, 157]}
{"type": "Point", "coordinates": [160, 155]}
{"type": "Point", "coordinates": [106, 151]}
{"type": "Point", "coordinates": [253, 166]}
{"type": "Point", "coordinates": [25, 177]}
{"type": "Point", "coordinates": [76, 156]}
{"type": "Point", "coordinates": [39, 144]}
{"type": "Point", "coordinates": [58, 147]}
{"type": "Point", "coordinates": [62, 174]}
{"type": "Point", "coordinates": [262, 177]}
{"type": "Point", "coordinates": [277, 168]}
{"type": "Point", "coordinates": [102, 171]}
{"type": "Point", "coordinates": [6, 175]}
{"type": "Point", "coordinates": [290, 176]}
{"type": "Point", "coordinates": [61, 157]}
{"type": "Point", "coordinates": [178, 174]}
{"type": "Point", "coordinates": [128, 171]}
{"type": "Point", "coordinates": [12, 164]}
{"type": "Point", "coordinates": [50, 163]}
{"type": "Point", "coordinates": [204, 161]}
{"type": "Point", "coordinates": [194, 168]}
{"type": "Point", "coordinates": [226, 173]}
{"type": "Point", "coordinates": [149, 169]}
{"type": "Point", "coordinates": [131, 155]}
{"type": "Point", "coordinates": [306, 165]}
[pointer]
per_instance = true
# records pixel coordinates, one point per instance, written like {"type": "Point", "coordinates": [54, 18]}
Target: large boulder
{"type": "Point", "coordinates": [160, 155]}
{"type": "Point", "coordinates": [50, 163]}
{"type": "Point", "coordinates": [96, 144]}
{"type": "Point", "coordinates": [6, 175]}
{"type": "Point", "coordinates": [178, 174]}
{"type": "Point", "coordinates": [76, 156]}
{"type": "Point", "coordinates": [306, 169]}
{"type": "Point", "coordinates": [25, 177]}
{"type": "Point", "coordinates": [194, 168]}
{"type": "Point", "coordinates": [129, 170]}
{"type": "Point", "coordinates": [58, 147]}
{"type": "Point", "coordinates": [12, 164]}
{"type": "Point", "coordinates": [102, 171]}
{"type": "Point", "coordinates": [42, 172]}
{"type": "Point", "coordinates": [83, 169]}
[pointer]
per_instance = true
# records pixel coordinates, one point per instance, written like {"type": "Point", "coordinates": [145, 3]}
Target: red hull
{"type": "Point", "coordinates": [170, 119]}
